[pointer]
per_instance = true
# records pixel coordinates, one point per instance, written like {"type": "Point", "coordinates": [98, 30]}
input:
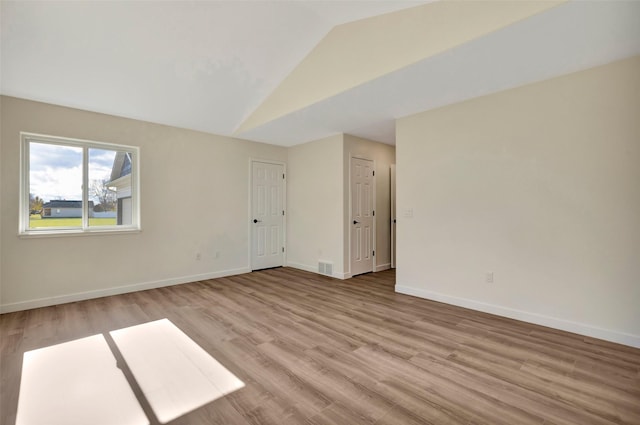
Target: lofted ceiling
{"type": "Point", "coordinates": [287, 72]}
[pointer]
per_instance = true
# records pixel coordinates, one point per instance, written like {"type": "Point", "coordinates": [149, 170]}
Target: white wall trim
{"type": "Point", "coordinates": [305, 267]}
{"type": "Point", "coordinates": [341, 276]}
{"type": "Point", "coordinates": [382, 267]}
{"type": "Point", "coordinates": [314, 269]}
{"type": "Point", "coordinates": [81, 296]}
{"type": "Point", "coordinates": [525, 316]}
{"type": "Point", "coordinates": [337, 275]}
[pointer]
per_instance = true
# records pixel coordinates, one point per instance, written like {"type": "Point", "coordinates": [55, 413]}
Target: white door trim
{"type": "Point", "coordinates": [392, 199]}
{"type": "Point", "coordinates": [250, 210]}
{"type": "Point", "coordinates": [367, 158]}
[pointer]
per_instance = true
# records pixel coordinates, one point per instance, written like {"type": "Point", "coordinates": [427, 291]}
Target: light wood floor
{"type": "Point", "coordinates": [315, 350]}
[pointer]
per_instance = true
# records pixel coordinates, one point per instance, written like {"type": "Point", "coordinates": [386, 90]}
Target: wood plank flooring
{"type": "Point", "coordinates": [315, 350]}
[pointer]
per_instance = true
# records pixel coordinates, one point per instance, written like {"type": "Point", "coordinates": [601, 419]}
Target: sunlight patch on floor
{"type": "Point", "coordinates": [175, 374]}
{"type": "Point", "coordinates": [78, 382]}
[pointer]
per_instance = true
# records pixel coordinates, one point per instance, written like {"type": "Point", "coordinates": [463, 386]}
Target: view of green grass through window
{"type": "Point", "coordinates": [56, 198]}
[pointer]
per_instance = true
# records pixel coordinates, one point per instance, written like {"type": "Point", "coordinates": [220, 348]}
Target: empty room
{"type": "Point", "coordinates": [320, 212]}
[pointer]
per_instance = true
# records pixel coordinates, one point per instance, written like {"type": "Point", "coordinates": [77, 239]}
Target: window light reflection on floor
{"type": "Point", "coordinates": [175, 374]}
{"type": "Point", "coordinates": [78, 382]}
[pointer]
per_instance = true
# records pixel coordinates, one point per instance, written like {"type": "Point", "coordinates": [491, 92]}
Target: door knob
{"type": "Point", "coordinates": [255, 220]}
{"type": "Point", "coordinates": [355, 222]}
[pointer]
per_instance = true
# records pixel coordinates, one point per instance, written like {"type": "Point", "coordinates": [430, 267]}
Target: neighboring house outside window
{"type": "Point", "coordinates": [71, 186]}
{"type": "Point", "coordinates": [65, 209]}
{"type": "Point", "coordinates": [121, 180]}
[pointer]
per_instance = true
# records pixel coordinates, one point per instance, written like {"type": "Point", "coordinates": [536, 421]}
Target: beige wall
{"type": "Point", "coordinates": [315, 205]}
{"type": "Point", "coordinates": [383, 156]}
{"type": "Point", "coordinates": [194, 198]}
{"type": "Point", "coordinates": [540, 185]}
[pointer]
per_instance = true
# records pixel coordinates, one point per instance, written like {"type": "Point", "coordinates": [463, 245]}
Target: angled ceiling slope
{"type": "Point", "coordinates": [462, 54]}
{"type": "Point", "coordinates": [358, 52]}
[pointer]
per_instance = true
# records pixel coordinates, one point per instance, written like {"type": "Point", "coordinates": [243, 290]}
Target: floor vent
{"type": "Point", "coordinates": [325, 268]}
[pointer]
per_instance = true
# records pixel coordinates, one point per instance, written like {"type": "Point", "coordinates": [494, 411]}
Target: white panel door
{"type": "Point", "coordinates": [393, 216]}
{"type": "Point", "coordinates": [362, 216]}
{"type": "Point", "coordinates": [267, 206]}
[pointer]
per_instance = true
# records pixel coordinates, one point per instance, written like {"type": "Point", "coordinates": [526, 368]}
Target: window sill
{"type": "Point", "coordinates": [76, 232]}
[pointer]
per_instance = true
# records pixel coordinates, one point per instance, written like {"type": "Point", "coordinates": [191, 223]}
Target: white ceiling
{"type": "Point", "coordinates": [207, 65]}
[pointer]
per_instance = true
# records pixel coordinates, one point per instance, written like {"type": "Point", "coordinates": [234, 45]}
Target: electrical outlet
{"type": "Point", "coordinates": [198, 256]}
{"type": "Point", "coordinates": [217, 254]}
{"type": "Point", "coordinates": [488, 277]}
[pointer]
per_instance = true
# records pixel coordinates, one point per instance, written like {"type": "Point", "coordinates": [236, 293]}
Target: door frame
{"type": "Point", "coordinates": [373, 161]}
{"type": "Point", "coordinates": [250, 211]}
{"type": "Point", "coordinates": [392, 201]}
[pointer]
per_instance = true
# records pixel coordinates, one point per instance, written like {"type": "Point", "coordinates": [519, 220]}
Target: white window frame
{"type": "Point", "coordinates": [85, 229]}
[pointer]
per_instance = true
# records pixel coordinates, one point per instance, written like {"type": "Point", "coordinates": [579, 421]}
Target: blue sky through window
{"type": "Point", "coordinates": [55, 171]}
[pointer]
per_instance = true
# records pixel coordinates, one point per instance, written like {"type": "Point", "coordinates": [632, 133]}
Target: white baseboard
{"type": "Point", "coordinates": [337, 275]}
{"type": "Point", "coordinates": [306, 268]}
{"type": "Point", "coordinates": [382, 267]}
{"type": "Point", "coordinates": [81, 296]}
{"type": "Point", "coordinates": [314, 269]}
{"type": "Point", "coordinates": [525, 316]}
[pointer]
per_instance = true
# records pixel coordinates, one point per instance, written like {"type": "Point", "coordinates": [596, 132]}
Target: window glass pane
{"type": "Point", "coordinates": [62, 197]}
{"type": "Point", "coordinates": [55, 186]}
{"type": "Point", "coordinates": [109, 187]}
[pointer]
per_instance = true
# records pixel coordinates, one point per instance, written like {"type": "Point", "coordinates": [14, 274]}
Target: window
{"type": "Point", "coordinates": [77, 186]}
